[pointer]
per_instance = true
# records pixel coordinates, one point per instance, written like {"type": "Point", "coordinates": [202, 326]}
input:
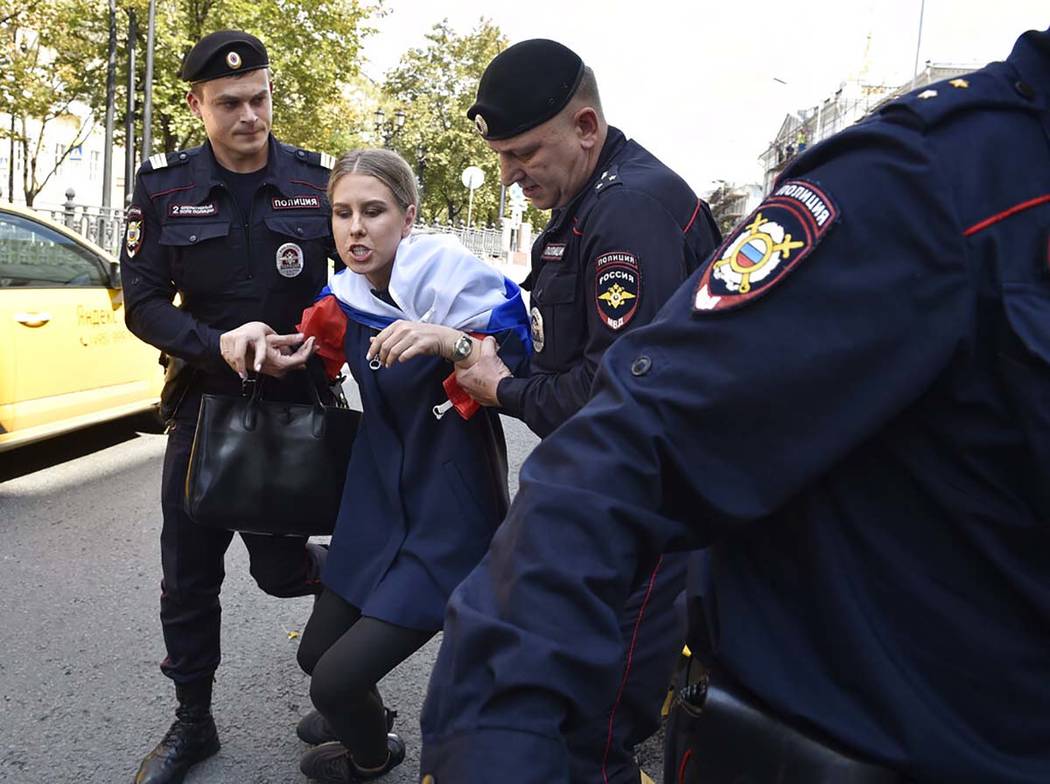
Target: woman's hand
{"type": "Point", "coordinates": [403, 340]}
{"type": "Point", "coordinates": [284, 353]}
{"type": "Point", "coordinates": [256, 344]}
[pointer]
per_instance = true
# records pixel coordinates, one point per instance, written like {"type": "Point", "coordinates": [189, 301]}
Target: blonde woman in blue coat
{"type": "Point", "coordinates": [426, 487]}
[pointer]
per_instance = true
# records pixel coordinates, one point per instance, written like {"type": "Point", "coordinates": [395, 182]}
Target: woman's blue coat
{"type": "Point", "coordinates": [423, 496]}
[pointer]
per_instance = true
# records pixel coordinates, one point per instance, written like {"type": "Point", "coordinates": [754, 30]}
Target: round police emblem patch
{"type": "Point", "coordinates": [233, 60]}
{"type": "Point", "coordinates": [289, 260]}
{"type": "Point", "coordinates": [770, 243]}
{"type": "Point", "coordinates": [536, 320]}
{"type": "Point", "coordinates": [617, 288]}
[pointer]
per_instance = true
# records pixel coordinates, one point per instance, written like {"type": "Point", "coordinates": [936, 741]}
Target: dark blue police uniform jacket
{"type": "Point", "coordinates": [605, 264]}
{"type": "Point", "coordinates": [422, 497]}
{"type": "Point", "coordinates": [858, 422]}
{"type": "Point", "coordinates": [231, 263]}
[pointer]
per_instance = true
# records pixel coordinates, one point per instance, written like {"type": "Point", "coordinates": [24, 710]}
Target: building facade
{"type": "Point", "coordinates": [853, 100]}
{"type": "Point", "coordinates": [81, 170]}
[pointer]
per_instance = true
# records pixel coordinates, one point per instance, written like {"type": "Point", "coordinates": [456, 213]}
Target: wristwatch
{"type": "Point", "coordinates": [462, 348]}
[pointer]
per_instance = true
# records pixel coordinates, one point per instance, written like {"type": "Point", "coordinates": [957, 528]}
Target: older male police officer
{"type": "Point", "coordinates": [851, 404]}
{"type": "Point", "coordinates": [625, 232]}
{"type": "Point", "coordinates": [239, 227]}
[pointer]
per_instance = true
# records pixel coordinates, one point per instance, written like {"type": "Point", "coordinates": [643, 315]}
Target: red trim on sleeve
{"type": "Point", "coordinates": [627, 668]}
{"type": "Point", "coordinates": [576, 231]}
{"type": "Point", "coordinates": [681, 767]}
{"type": "Point", "coordinates": [1025, 205]}
{"type": "Point", "coordinates": [693, 219]}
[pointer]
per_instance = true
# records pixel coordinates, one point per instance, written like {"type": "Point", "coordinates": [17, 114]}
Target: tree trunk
{"type": "Point", "coordinates": [28, 166]}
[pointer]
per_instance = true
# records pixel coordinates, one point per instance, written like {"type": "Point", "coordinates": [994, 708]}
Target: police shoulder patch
{"type": "Point", "coordinates": [617, 288]}
{"type": "Point", "coordinates": [766, 246]}
{"type": "Point", "coordinates": [133, 232]}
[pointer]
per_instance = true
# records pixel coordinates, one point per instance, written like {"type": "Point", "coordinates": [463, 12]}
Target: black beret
{"type": "Point", "coordinates": [525, 85]}
{"type": "Point", "coordinates": [223, 53]}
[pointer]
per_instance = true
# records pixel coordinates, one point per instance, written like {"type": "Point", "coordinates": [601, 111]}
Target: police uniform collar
{"type": "Point", "coordinates": [206, 169]}
{"type": "Point", "coordinates": [614, 141]}
{"type": "Point", "coordinates": [1031, 58]}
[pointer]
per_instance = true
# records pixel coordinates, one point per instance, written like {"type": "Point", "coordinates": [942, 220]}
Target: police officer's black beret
{"type": "Point", "coordinates": [223, 53]}
{"type": "Point", "coordinates": [525, 85]}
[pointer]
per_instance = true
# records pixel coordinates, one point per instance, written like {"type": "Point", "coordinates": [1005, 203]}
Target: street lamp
{"type": "Point", "coordinates": [421, 170]}
{"type": "Point", "coordinates": [388, 130]}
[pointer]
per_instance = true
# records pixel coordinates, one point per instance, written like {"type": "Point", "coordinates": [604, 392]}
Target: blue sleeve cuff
{"type": "Point", "coordinates": [494, 756]}
{"type": "Point", "coordinates": [511, 394]}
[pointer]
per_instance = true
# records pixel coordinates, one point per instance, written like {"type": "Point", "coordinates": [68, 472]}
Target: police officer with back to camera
{"type": "Point", "coordinates": [624, 233]}
{"type": "Point", "coordinates": [850, 404]}
{"type": "Point", "coordinates": [239, 228]}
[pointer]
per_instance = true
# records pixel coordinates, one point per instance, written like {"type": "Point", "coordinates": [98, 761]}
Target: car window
{"type": "Point", "coordinates": [32, 255]}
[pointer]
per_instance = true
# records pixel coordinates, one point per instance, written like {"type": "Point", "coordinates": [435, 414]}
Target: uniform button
{"type": "Point", "coordinates": [1025, 90]}
{"type": "Point", "coordinates": [427, 779]}
{"type": "Point", "coordinates": [299, 230]}
{"type": "Point", "coordinates": [182, 156]}
{"type": "Point", "coordinates": [641, 366]}
{"type": "Point", "coordinates": [301, 154]}
{"type": "Point", "coordinates": [193, 238]}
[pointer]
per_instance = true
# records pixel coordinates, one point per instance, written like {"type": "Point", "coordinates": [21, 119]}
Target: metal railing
{"type": "Point", "coordinates": [484, 242]}
{"type": "Point", "coordinates": [102, 225]}
{"type": "Point", "coordinates": [105, 227]}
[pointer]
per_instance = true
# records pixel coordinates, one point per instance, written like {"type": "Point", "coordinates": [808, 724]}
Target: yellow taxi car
{"type": "Point", "coordinates": [66, 359]}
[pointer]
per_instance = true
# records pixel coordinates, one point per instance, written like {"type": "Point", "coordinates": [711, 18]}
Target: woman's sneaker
{"type": "Point", "coordinates": [314, 729]}
{"type": "Point", "coordinates": [330, 763]}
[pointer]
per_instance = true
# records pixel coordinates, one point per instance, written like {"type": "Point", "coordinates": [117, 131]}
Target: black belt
{"type": "Point", "coordinates": [719, 734]}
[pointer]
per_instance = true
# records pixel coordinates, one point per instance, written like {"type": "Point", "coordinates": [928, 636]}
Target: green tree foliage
{"type": "Point", "coordinates": [314, 48]}
{"type": "Point", "coordinates": [54, 53]}
{"type": "Point", "coordinates": [42, 74]}
{"type": "Point", "coordinates": [435, 85]}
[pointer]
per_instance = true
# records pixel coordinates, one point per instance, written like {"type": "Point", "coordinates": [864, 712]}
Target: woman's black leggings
{"type": "Point", "coordinates": [346, 655]}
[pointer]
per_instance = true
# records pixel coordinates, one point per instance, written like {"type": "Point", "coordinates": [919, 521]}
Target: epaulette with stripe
{"type": "Point", "coordinates": [163, 160]}
{"type": "Point", "coordinates": [320, 159]}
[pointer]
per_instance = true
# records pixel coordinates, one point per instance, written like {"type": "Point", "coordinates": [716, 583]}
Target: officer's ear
{"type": "Point", "coordinates": [193, 98]}
{"type": "Point", "coordinates": [586, 126]}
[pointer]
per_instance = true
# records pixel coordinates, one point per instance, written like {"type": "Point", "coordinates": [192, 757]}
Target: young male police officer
{"type": "Point", "coordinates": [239, 227]}
{"type": "Point", "coordinates": [624, 233]}
{"type": "Point", "coordinates": [851, 405]}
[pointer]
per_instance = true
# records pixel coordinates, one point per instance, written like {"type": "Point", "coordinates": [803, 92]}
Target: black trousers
{"type": "Point", "coordinates": [192, 559]}
{"type": "Point", "coordinates": [602, 750]}
{"type": "Point", "coordinates": [346, 655]}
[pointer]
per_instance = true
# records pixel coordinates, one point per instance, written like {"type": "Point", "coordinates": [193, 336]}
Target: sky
{"type": "Point", "coordinates": [705, 86]}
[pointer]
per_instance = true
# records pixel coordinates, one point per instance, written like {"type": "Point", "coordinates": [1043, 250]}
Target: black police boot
{"type": "Point", "coordinates": [314, 729]}
{"type": "Point", "coordinates": [190, 739]}
{"type": "Point", "coordinates": [330, 763]}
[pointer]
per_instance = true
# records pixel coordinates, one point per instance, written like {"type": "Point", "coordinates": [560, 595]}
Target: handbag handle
{"type": "Point", "coordinates": [251, 410]}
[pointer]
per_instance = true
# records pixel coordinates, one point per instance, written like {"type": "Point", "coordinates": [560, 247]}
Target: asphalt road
{"type": "Point", "coordinates": [82, 696]}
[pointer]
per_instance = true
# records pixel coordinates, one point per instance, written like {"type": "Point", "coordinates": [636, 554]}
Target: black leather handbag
{"type": "Point", "coordinates": [264, 466]}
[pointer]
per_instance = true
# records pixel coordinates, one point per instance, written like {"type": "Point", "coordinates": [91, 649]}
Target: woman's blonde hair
{"type": "Point", "coordinates": [386, 166]}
